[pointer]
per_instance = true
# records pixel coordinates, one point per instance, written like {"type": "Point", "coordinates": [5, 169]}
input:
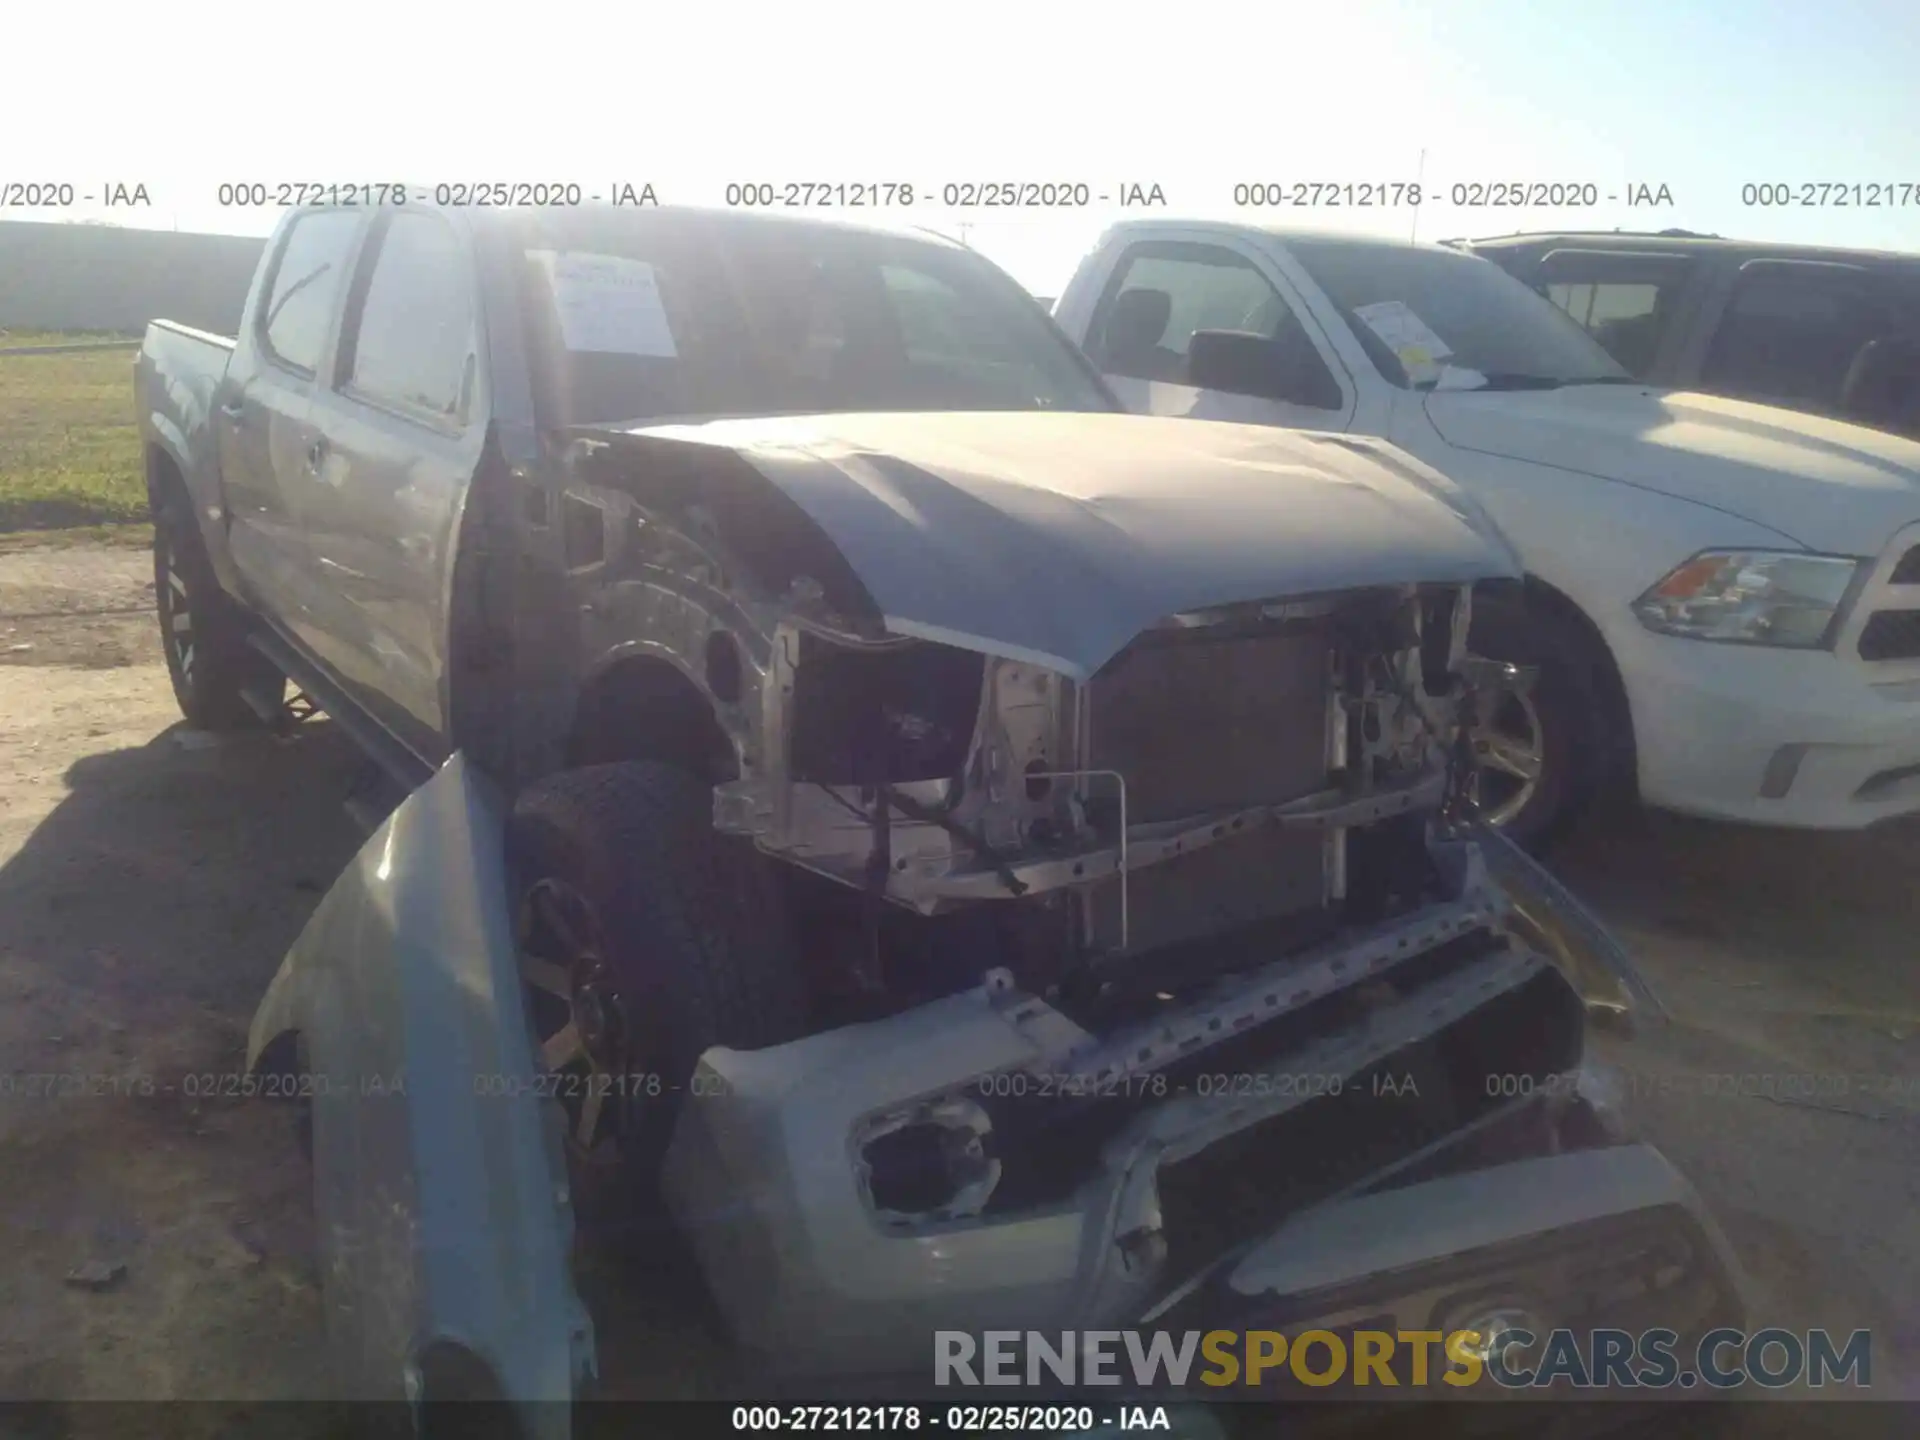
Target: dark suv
{"type": "Point", "coordinates": [1834, 332]}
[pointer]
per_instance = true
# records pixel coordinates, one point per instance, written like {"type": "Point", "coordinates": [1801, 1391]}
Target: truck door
{"type": "Point", "coordinates": [1162, 292]}
{"type": "Point", "coordinates": [268, 446]}
{"type": "Point", "coordinates": [402, 421]}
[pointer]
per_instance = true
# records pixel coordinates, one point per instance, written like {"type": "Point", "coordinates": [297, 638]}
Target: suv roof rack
{"type": "Point", "coordinates": [1669, 234]}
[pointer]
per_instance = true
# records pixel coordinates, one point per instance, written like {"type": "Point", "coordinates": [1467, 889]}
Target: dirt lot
{"type": "Point", "coordinates": [149, 884]}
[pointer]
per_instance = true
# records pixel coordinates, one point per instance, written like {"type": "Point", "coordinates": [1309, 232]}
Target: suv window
{"type": "Point", "coordinates": [1166, 290]}
{"type": "Point", "coordinates": [412, 339]}
{"type": "Point", "coordinates": [1623, 312]}
{"type": "Point", "coordinates": [1791, 332]}
{"type": "Point", "coordinates": [1624, 317]}
{"type": "Point", "coordinates": [306, 282]}
{"type": "Point", "coordinates": [649, 321]}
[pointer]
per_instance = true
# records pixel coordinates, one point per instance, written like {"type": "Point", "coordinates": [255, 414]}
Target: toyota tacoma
{"type": "Point", "coordinates": [951, 852]}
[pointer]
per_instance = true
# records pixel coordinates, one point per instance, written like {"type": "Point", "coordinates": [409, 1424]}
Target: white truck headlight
{"type": "Point", "coordinates": [1753, 597]}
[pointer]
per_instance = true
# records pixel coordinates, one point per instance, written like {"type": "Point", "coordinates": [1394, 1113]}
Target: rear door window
{"type": "Point", "coordinates": [308, 277]}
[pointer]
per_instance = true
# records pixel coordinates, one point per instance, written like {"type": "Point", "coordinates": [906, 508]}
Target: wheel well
{"type": "Point", "coordinates": [164, 479]}
{"type": "Point", "coordinates": [645, 709]}
{"type": "Point", "coordinates": [447, 1373]}
{"type": "Point", "coordinates": [280, 1057]}
{"type": "Point", "coordinates": [1537, 595]}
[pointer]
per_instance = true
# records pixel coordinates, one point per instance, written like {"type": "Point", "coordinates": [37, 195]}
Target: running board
{"type": "Point", "coordinates": [279, 712]}
{"type": "Point", "coordinates": [400, 764]}
{"type": "Point", "coordinates": [271, 712]}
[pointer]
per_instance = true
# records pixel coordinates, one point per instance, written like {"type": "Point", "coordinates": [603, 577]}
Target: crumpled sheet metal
{"type": "Point", "coordinates": [1057, 538]}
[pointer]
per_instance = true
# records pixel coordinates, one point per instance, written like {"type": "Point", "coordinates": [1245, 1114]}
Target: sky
{"type": "Point", "coordinates": [1703, 97]}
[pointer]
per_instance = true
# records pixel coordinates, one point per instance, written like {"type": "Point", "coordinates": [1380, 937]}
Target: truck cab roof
{"type": "Point", "coordinates": [666, 217]}
{"type": "Point", "coordinates": [1282, 233]}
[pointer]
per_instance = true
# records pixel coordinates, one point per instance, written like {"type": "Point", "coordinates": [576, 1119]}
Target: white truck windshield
{"type": "Point", "coordinates": [1432, 318]}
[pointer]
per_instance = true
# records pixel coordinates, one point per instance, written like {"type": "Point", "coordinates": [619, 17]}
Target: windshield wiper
{"type": "Point", "coordinates": [1512, 380]}
{"type": "Point", "coordinates": [1490, 380]}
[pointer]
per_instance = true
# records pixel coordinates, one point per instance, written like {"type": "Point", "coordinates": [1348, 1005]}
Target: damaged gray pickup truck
{"type": "Point", "coordinates": [949, 853]}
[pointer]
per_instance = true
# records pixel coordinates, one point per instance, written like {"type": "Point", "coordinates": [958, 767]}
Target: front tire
{"type": "Point", "coordinates": [208, 658]}
{"type": "Point", "coordinates": [646, 937]}
{"type": "Point", "coordinates": [1543, 756]}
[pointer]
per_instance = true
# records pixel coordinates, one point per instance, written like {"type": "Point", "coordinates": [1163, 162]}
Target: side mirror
{"type": "Point", "coordinates": [1238, 362]}
{"type": "Point", "coordinates": [1241, 363]}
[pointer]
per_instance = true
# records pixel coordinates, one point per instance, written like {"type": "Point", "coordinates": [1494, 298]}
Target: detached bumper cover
{"type": "Point", "coordinates": [765, 1172]}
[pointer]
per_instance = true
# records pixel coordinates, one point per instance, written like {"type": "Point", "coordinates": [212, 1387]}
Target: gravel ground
{"type": "Point", "coordinates": [149, 885]}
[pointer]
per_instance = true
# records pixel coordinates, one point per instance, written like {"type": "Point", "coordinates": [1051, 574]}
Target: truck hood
{"type": "Point", "coordinates": [1833, 487]}
{"type": "Point", "coordinates": [1058, 538]}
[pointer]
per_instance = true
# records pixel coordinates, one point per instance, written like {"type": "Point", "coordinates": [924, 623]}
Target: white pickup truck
{"type": "Point", "coordinates": [1723, 598]}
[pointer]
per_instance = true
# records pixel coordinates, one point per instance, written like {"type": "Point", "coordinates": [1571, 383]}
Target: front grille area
{"type": "Point", "coordinates": [1907, 572]}
{"type": "Point", "coordinates": [1648, 1269]}
{"type": "Point", "coordinates": [1197, 724]}
{"type": "Point", "coordinates": [1892, 634]}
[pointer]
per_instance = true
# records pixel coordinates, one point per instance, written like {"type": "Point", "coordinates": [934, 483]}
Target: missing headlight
{"type": "Point", "coordinates": [931, 1163]}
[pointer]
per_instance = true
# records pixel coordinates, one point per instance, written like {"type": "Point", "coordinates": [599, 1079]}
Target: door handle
{"type": "Point", "coordinates": [233, 409]}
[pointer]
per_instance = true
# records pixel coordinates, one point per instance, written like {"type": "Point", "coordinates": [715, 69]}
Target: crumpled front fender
{"type": "Point", "coordinates": [440, 1190]}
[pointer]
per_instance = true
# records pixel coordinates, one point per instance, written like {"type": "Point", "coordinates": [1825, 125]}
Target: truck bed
{"type": "Point", "coordinates": [176, 377]}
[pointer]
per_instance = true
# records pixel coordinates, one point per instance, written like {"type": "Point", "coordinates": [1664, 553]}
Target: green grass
{"type": "Point", "coordinates": [69, 443]}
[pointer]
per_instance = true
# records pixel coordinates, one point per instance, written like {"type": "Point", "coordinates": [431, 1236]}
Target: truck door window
{"type": "Point", "coordinates": [409, 341]}
{"type": "Point", "coordinates": [1165, 291]}
{"type": "Point", "coordinates": [307, 278]}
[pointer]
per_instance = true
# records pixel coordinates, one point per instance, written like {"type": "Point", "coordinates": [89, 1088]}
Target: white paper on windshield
{"type": "Point", "coordinates": [1459, 377]}
{"type": "Point", "coordinates": [1419, 350]}
{"type": "Point", "coordinates": [608, 304]}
